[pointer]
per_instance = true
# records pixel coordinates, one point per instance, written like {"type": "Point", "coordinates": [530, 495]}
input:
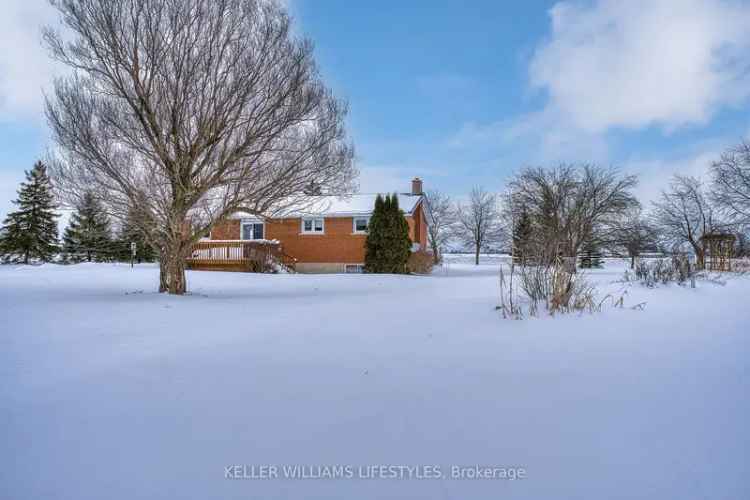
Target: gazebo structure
{"type": "Point", "coordinates": [718, 248]}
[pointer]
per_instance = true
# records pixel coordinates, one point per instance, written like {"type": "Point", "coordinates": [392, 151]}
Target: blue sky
{"type": "Point", "coordinates": [465, 93]}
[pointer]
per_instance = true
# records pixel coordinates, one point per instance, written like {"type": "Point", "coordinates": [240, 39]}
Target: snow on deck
{"type": "Point", "coordinates": [109, 390]}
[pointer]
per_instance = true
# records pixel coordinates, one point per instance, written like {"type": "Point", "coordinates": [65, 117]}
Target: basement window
{"type": "Point", "coordinates": [313, 225]}
{"type": "Point", "coordinates": [354, 268]}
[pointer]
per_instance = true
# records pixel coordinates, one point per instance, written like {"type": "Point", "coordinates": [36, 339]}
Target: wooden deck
{"type": "Point", "coordinates": [239, 256]}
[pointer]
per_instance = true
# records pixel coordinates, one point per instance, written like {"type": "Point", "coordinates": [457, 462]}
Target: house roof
{"type": "Point", "coordinates": [340, 206]}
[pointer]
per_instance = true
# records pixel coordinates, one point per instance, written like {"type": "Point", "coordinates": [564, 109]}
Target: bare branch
{"type": "Point", "coordinates": [189, 110]}
{"type": "Point", "coordinates": [442, 222]}
{"type": "Point", "coordinates": [478, 221]}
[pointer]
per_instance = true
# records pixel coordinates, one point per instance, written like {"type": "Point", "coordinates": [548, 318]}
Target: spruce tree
{"type": "Point", "coordinates": [399, 249]}
{"type": "Point", "coordinates": [88, 236]}
{"type": "Point", "coordinates": [522, 232]}
{"type": "Point", "coordinates": [590, 256]}
{"type": "Point", "coordinates": [375, 236]}
{"type": "Point", "coordinates": [129, 233]}
{"type": "Point", "coordinates": [30, 233]}
{"type": "Point", "coordinates": [388, 246]}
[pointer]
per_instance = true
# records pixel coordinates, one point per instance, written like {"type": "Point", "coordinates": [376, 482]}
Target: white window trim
{"type": "Point", "coordinates": [302, 225]}
{"type": "Point", "coordinates": [252, 221]}
{"type": "Point", "coordinates": [354, 224]}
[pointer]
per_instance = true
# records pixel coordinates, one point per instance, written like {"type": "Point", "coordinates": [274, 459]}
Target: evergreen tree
{"type": "Point", "coordinates": [30, 233]}
{"type": "Point", "coordinates": [400, 248]}
{"type": "Point", "coordinates": [375, 236]}
{"type": "Point", "coordinates": [388, 247]}
{"type": "Point", "coordinates": [88, 236]}
{"type": "Point", "coordinates": [590, 256]}
{"type": "Point", "coordinates": [522, 232]}
{"type": "Point", "coordinates": [129, 233]}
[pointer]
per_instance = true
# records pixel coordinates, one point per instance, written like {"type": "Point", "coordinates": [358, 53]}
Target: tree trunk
{"type": "Point", "coordinates": [632, 261]}
{"type": "Point", "coordinates": [176, 276]}
{"type": "Point", "coordinates": [699, 255]}
{"type": "Point", "coordinates": [571, 262]}
{"type": "Point", "coordinates": [163, 284]}
{"type": "Point", "coordinates": [700, 258]}
{"type": "Point", "coordinates": [476, 256]}
{"type": "Point", "coordinates": [436, 255]}
{"type": "Point", "coordinates": [172, 270]}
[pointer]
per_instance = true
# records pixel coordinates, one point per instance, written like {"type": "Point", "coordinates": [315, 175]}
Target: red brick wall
{"type": "Point", "coordinates": [338, 244]}
{"type": "Point", "coordinates": [423, 227]}
{"type": "Point", "coordinates": [226, 230]}
{"type": "Point", "coordinates": [418, 227]}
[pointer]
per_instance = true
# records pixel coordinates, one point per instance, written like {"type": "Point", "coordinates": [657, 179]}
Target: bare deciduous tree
{"type": "Point", "coordinates": [442, 222]}
{"type": "Point", "coordinates": [632, 232]}
{"type": "Point", "coordinates": [570, 205]}
{"type": "Point", "coordinates": [731, 184]}
{"type": "Point", "coordinates": [683, 215]}
{"type": "Point", "coordinates": [478, 221]}
{"type": "Point", "coordinates": [184, 111]}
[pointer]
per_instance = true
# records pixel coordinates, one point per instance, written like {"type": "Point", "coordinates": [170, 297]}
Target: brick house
{"type": "Point", "coordinates": [328, 236]}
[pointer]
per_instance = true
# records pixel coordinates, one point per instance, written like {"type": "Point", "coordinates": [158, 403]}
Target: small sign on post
{"type": "Point", "coordinates": [133, 250]}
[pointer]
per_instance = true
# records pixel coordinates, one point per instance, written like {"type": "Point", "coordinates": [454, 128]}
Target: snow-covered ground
{"type": "Point", "coordinates": [109, 390]}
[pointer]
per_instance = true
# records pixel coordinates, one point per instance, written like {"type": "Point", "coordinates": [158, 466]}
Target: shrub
{"type": "Point", "coordinates": [553, 288]}
{"type": "Point", "coordinates": [741, 265]}
{"type": "Point", "coordinates": [420, 262]}
{"type": "Point", "coordinates": [678, 269]}
{"type": "Point", "coordinates": [265, 258]}
{"type": "Point", "coordinates": [264, 264]}
{"type": "Point", "coordinates": [557, 289]}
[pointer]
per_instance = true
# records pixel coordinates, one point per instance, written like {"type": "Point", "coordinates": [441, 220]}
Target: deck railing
{"type": "Point", "coordinates": [258, 256]}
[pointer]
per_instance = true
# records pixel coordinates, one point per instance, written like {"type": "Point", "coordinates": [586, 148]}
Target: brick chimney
{"type": "Point", "coordinates": [416, 186]}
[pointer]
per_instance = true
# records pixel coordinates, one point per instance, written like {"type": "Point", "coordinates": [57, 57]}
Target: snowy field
{"type": "Point", "coordinates": [109, 390]}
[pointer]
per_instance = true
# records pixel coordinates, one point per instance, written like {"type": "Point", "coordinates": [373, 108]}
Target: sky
{"type": "Point", "coordinates": [467, 93]}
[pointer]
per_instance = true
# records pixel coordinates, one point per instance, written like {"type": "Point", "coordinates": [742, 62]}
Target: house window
{"type": "Point", "coordinates": [312, 225]}
{"type": "Point", "coordinates": [252, 230]}
{"type": "Point", "coordinates": [354, 268]}
{"type": "Point", "coordinates": [360, 224]}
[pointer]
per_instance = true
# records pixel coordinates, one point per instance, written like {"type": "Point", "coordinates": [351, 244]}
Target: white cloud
{"type": "Point", "coordinates": [613, 65]}
{"type": "Point", "coordinates": [25, 66]}
{"type": "Point", "coordinates": [636, 63]}
{"type": "Point", "coordinates": [655, 175]}
{"type": "Point", "coordinates": [543, 136]}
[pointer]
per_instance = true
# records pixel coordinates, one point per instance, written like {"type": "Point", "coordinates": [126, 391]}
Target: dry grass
{"type": "Point", "coordinates": [420, 262]}
{"type": "Point", "coordinates": [677, 269]}
{"type": "Point", "coordinates": [553, 289]}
